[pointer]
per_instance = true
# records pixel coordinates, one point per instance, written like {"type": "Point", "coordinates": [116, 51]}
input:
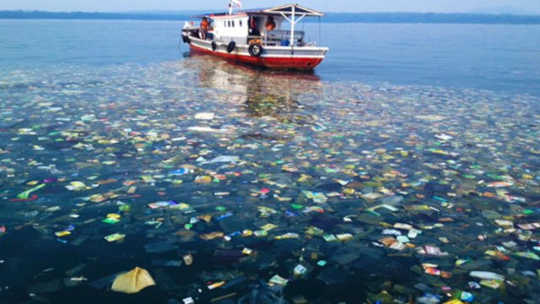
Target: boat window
{"type": "Point", "coordinates": [228, 23]}
{"type": "Point", "coordinates": [240, 22]}
{"type": "Point", "coordinates": [233, 23]}
{"type": "Point", "coordinates": [225, 23]}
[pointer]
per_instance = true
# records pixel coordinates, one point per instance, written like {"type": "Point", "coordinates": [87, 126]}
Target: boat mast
{"type": "Point", "coordinates": [293, 23]}
{"type": "Point", "coordinates": [232, 3]}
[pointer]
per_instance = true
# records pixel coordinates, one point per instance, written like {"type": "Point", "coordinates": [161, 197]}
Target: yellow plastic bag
{"type": "Point", "coordinates": [133, 281]}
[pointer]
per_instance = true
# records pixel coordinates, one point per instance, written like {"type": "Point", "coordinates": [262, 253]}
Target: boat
{"type": "Point", "coordinates": [257, 37]}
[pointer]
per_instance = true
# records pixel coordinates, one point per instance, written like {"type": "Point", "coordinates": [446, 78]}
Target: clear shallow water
{"type": "Point", "coordinates": [401, 190]}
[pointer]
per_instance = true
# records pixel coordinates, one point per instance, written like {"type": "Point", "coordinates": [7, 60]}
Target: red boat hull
{"type": "Point", "coordinates": [294, 63]}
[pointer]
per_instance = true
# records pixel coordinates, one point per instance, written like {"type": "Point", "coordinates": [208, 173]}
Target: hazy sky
{"type": "Point", "coordinates": [499, 6]}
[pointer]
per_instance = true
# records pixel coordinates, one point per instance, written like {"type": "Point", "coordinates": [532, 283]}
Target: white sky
{"type": "Point", "coordinates": [489, 6]}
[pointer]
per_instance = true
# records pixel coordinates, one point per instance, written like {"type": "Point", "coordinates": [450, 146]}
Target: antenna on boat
{"type": "Point", "coordinates": [233, 3]}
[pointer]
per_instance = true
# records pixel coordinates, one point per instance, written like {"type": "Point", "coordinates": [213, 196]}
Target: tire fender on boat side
{"type": "Point", "coordinates": [214, 46]}
{"type": "Point", "coordinates": [255, 50]}
{"type": "Point", "coordinates": [185, 39]}
{"type": "Point", "coordinates": [231, 47]}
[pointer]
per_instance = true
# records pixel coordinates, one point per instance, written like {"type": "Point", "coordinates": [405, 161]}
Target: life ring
{"type": "Point", "coordinates": [231, 47]}
{"type": "Point", "coordinates": [214, 46]}
{"type": "Point", "coordinates": [255, 50]}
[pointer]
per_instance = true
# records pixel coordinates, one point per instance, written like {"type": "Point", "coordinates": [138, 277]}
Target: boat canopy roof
{"type": "Point", "coordinates": [287, 10]}
{"type": "Point", "coordinates": [279, 10]}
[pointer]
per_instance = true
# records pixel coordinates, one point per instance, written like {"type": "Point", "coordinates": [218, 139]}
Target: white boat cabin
{"type": "Point", "coordinates": [267, 27]}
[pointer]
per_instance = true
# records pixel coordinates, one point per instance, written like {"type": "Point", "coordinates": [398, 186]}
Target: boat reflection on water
{"type": "Point", "coordinates": [278, 94]}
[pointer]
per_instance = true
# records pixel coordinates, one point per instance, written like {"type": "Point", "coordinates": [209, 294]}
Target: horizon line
{"type": "Point", "coordinates": [330, 12]}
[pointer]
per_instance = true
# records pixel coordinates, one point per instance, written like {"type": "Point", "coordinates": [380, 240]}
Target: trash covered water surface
{"type": "Point", "coordinates": [203, 182]}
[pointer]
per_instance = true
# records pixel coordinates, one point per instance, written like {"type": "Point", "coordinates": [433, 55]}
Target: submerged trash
{"type": "Point", "coordinates": [486, 275]}
{"type": "Point", "coordinates": [204, 116]}
{"type": "Point", "coordinates": [115, 237]}
{"type": "Point", "coordinates": [188, 259]}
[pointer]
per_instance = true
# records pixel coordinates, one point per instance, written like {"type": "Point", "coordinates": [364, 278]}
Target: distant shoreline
{"type": "Point", "coordinates": [452, 18]}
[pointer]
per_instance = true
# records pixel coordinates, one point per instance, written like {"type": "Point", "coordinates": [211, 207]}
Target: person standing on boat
{"type": "Point", "coordinates": [253, 30]}
{"type": "Point", "coordinates": [205, 26]}
{"type": "Point", "coordinates": [270, 24]}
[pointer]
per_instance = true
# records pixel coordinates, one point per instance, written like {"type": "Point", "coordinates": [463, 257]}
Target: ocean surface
{"type": "Point", "coordinates": [405, 168]}
{"type": "Point", "coordinates": [502, 58]}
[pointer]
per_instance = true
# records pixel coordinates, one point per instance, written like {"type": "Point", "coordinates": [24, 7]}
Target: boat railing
{"type": "Point", "coordinates": [282, 38]}
{"type": "Point", "coordinates": [273, 38]}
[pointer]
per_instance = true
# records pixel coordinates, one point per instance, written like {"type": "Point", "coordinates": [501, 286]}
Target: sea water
{"type": "Point", "coordinates": [492, 57]}
{"type": "Point", "coordinates": [409, 159]}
